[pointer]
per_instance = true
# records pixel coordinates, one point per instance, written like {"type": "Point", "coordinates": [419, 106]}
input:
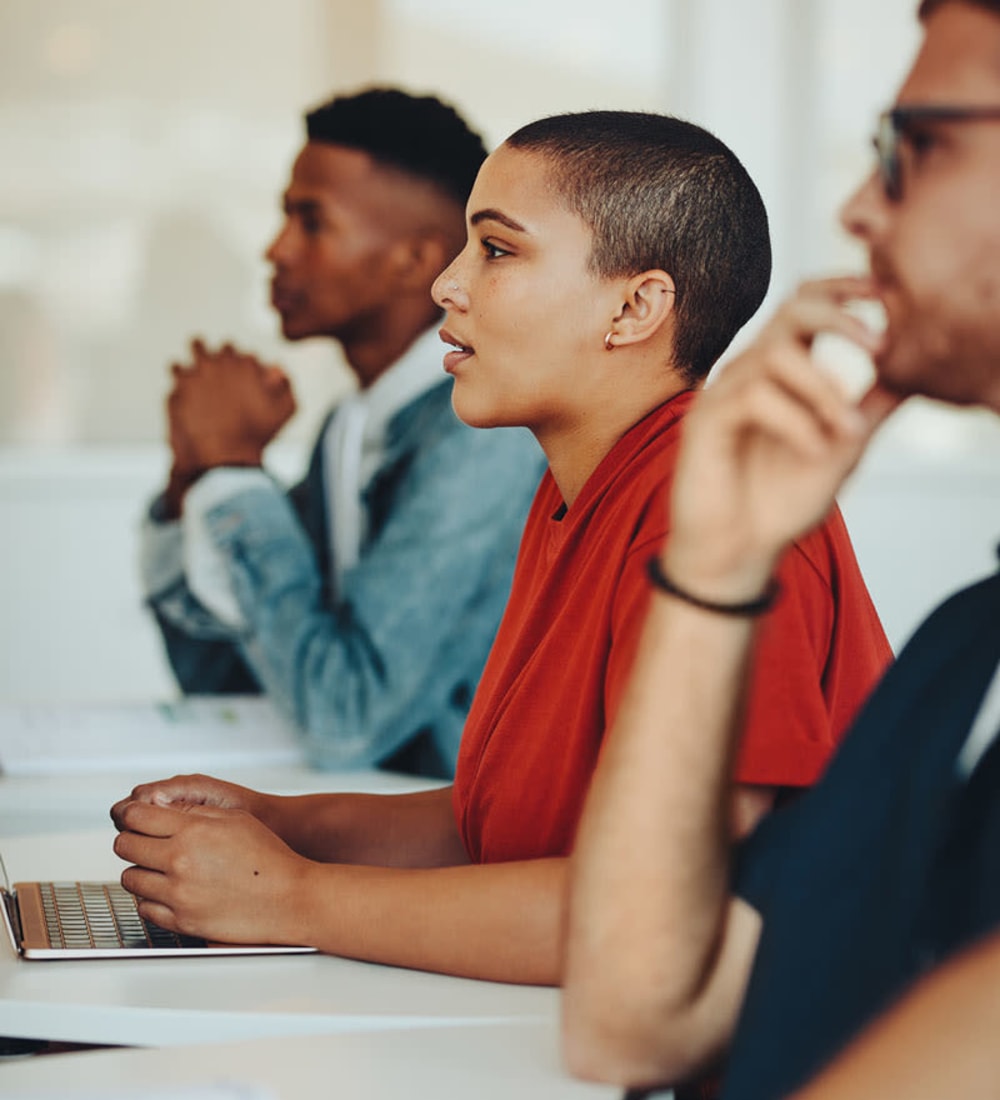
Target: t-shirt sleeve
{"type": "Point", "coordinates": [788, 735]}
{"type": "Point", "coordinates": [819, 654]}
{"type": "Point", "coordinates": [631, 605]}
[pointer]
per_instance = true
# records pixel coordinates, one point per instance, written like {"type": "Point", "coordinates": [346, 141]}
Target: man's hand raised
{"type": "Point", "coordinates": [226, 406]}
{"type": "Point", "coordinates": [767, 446]}
{"type": "Point", "coordinates": [224, 409]}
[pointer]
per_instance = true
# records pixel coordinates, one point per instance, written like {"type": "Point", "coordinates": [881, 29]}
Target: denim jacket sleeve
{"type": "Point", "coordinates": [201, 650]}
{"type": "Point", "coordinates": [397, 653]}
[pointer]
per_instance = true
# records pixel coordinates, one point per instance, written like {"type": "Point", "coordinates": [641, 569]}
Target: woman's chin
{"type": "Point", "coordinates": [475, 414]}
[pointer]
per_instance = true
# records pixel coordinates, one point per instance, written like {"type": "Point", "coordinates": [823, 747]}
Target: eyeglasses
{"type": "Point", "coordinates": [896, 124]}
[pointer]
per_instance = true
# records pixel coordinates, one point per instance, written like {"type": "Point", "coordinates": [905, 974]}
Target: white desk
{"type": "Point", "coordinates": [488, 1062]}
{"type": "Point", "coordinates": [296, 1026]}
{"type": "Point", "coordinates": [175, 1001]}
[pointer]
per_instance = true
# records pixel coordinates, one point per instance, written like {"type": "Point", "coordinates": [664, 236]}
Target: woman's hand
{"type": "Point", "coordinates": [209, 871]}
{"type": "Point", "coordinates": [201, 790]}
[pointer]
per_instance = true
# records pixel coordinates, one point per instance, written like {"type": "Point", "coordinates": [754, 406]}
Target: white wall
{"type": "Point", "coordinates": [73, 626]}
{"type": "Point", "coordinates": [924, 520]}
{"type": "Point", "coordinates": [144, 144]}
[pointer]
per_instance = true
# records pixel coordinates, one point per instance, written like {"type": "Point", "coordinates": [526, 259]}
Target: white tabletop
{"type": "Point", "coordinates": [485, 1062]}
{"type": "Point", "coordinates": [285, 1026]}
{"type": "Point", "coordinates": [199, 1000]}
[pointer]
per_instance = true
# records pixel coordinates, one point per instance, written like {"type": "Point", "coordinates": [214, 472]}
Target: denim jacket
{"type": "Point", "coordinates": [383, 670]}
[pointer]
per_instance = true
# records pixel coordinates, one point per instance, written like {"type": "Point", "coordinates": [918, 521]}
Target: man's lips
{"type": "Point", "coordinates": [283, 298]}
{"type": "Point", "coordinates": [453, 359]}
{"type": "Point", "coordinates": [881, 271]}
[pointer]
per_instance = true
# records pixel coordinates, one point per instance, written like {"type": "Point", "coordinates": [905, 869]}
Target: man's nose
{"type": "Point", "coordinates": [861, 213]}
{"type": "Point", "coordinates": [278, 250]}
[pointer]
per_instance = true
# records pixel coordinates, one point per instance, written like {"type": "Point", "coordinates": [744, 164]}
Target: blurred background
{"type": "Point", "coordinates": [144, 145]}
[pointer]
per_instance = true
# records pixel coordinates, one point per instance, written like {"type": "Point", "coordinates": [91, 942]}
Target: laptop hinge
{"type": "Point", "coordinates": [11, 918]}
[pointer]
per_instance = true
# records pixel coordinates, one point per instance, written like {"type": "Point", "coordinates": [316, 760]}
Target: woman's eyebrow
{"type": "Point", "coordinates": [491, 215]}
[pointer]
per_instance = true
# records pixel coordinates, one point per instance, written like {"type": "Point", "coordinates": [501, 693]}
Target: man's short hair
{"type": "Point", "coordinates": [928, 7]}
{"type": "Point", "coordinates": [660, 193]}
{"type": "Point", "coordinates": [420, 135]}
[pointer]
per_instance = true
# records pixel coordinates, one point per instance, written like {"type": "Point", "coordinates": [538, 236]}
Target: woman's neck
{"type": "Point", "coordinates": [575, 451]}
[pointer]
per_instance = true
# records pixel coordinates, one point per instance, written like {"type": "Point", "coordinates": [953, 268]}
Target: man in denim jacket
{"type": "Point", "coordinates": [363, 602]}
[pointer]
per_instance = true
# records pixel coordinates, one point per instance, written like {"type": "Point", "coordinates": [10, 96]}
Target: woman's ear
{"type": "Point", "coordinates": [648, 305]}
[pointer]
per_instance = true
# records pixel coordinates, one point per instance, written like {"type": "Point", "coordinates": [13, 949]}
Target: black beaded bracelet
{"type": "Point", "coordinates": [659, 579]}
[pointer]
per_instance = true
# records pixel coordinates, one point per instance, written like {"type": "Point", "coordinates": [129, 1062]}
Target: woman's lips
{"type": "Point", "coordinates": [454, 359]}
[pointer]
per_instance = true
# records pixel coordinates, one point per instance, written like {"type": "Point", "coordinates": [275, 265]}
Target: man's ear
{"type": "Point", "coordinates": [648, 304]}
{"type": "Point", "coordinates": [420, 258]}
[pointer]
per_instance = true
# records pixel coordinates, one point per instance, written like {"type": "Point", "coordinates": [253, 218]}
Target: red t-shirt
{"type": "Point", "coordinates": [564, 649]}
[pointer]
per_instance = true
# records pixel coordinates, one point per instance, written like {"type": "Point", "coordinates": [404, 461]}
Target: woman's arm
{"type": "Point", "coordinates": [395, 830]}
{"type": "Point", "coordinates": [222, 874]}
{"type": "Point", "coordinates": [385, 830]}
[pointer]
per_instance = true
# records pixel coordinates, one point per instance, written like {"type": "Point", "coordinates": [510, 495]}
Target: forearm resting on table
{"type": "Point", "coordinates": [397, 830]}
{"type": "Point", "coordinates": [657, 952]}
{"type": "Point", "coordinates": [391, 830]}
{"type": "Point", "coordinates": [499, 922]}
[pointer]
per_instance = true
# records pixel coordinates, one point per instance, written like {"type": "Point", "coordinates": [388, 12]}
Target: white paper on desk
{"type": "Point", "coordinates": [221, 1090]}
{"type": "Point", "coordinates": [190, 734]}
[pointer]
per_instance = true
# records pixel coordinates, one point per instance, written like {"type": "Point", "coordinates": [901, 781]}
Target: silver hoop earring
{"type": "Point", "coordinates": [608, 346]}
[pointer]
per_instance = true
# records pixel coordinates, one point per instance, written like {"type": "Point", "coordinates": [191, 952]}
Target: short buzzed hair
{"type": "Point", "coordinates": [420, 135]}
{"type": "Point", "coordinates": [660, 193]}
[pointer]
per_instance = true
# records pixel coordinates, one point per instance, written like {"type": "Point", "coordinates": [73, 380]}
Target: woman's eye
{"type": "Point", "coordinates": [493, 251]}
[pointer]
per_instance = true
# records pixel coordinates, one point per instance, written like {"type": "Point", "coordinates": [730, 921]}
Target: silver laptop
{"type": "Point", "coordinates": [98, 920]}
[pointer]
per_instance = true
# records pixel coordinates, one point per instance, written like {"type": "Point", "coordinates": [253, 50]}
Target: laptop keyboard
{"type": "Point", "coordinates": [101, 915]}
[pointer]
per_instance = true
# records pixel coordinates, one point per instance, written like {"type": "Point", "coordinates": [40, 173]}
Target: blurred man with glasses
{"type": "Point", "coordinates": [854, 935]}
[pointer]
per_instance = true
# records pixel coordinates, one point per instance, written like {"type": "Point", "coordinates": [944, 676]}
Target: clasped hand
{"type": "Point", "coordinates": [208, 867]}
{"type": "Point", "coordinates": [225, 407]}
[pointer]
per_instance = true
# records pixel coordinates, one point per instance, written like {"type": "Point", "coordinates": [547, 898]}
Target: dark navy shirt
{"type": "Point", "coordinates": [890, 864]}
